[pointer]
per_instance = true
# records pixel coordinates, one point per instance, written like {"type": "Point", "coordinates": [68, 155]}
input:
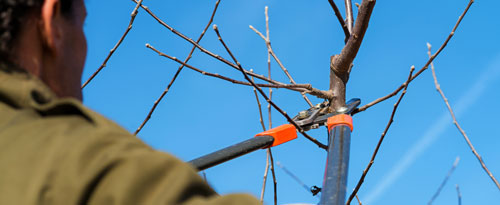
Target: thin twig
{"type": "Point", "coordinates": [200, 47]}
{"type": "Point", "coordinates": [359, 201]}
{"type": "Point", "coordinates": [340, 19]}
{"type": "Point", "coordinates": [479, 158]}
{"type": "Point", "coordinates": [264, 181]}
{"type": "Point", "coordinates": [349, 15]}
{"type": "Point", "coordinates": [150, 113]}
{"type": "Point", "coordinates": [269, 153]}
{"type": "Point", "coordinates": [261, 119]}
{"type": "Point", "coordinates": [375, 152]}
{"type": "Point", "coordinates": [459, 195]}
{"type": "Point", "coordinates": [289, 119]}
{"type": "Point", "coordinates": [129, 27]}
{"type": "Point", "coordinates": [275, 182]}
{"type": "Point", "coordinates": [455, 164]}
{"type": "Point", "coordinates": [270, 50]}
{"type": "Point", "coordinates": [269, 157]}
{"type": "Point", "coordinates": [297, 87]}
{"type": "Point", "coordinates": [363, 108]}
{"type": "Point", "coordinates": [324, 94]}
{"type": "Point", "coordinates": [269, 71]}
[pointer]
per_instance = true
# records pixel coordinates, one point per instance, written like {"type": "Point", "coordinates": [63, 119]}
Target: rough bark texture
{"type": "Point", "coordinates": [340, 65]}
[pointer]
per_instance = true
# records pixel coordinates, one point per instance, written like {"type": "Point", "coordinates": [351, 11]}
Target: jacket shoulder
{"type": "Point", "coordinates": [68, 107]}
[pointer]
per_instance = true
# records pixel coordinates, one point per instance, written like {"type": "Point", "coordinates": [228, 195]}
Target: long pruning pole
{"type": "Point", "coordinates": [337, 164]}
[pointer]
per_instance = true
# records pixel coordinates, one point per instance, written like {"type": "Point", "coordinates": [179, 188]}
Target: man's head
{"type": "Point", "coordinates": [46, 38]}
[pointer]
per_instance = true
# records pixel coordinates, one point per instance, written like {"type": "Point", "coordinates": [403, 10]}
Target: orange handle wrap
{"type": "Point", "coordinates": [341, 119]}
{"type": "Point", "coordinates": [281, 134]}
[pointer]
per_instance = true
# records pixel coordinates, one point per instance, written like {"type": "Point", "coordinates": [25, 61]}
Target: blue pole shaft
{"type": "Point", "coordinates": [337, 164]}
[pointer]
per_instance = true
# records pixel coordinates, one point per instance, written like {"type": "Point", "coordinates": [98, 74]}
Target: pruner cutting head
{"type": "Point", "coordinates": [316, 116]}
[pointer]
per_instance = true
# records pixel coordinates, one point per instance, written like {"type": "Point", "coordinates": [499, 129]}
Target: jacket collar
{"type": "Point", "coordinates": [20, 89]}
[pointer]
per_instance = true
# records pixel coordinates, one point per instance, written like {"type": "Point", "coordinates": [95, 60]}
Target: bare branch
{"type": "Point", "coordinates": [266, 12]}
{"type": "Point", "coordinates": [359, 201]}
{"type": "Point", "coordinates": [260, 109]}
{"type": "Point", "coordinates": [349, 15]}
{"type": "Point", "coordinates": [275, 182]}
{"type": "Point", "coordinates": [264, 181]}
{"type": "Point", "coordinates": [363, 108]}
{"type": "Point", "coordinates": [375, 152]}
{"type": "Point", "coordinates": [270, 50]}
{"type": "Point", "coordinates": [316, 92]}
{"type": "Point", "coordinates": [269, 153]}
{"type": "Point", "coordinates": [349, 52]}
{"type": "Point", "coordinates": [129, 27]}
{"type": "Point", "coordinates": [455, 164]}
{"type": "Point", "coordinates": [202, 48]}
{"type": "Point", "coordinates": [269, 70]}
{"type": "Point", "coordinates": [150, 113]}
{"type": "Point", "coordinates": [297, 87]}
{"type": "Point", "coordinates": [259, 33]}
{"type": "Point", "coordinates": [289, 119]}
{"type": "Point", "coordinates": [340, 19]}
{"type": "Point", "coordinates": [438, 88]}
{"type": "Point", "coordinates": [269, 156]}
{"type": "Point", "coordinates": [340, 65]}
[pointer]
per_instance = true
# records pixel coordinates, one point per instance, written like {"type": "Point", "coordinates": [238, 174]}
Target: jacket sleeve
{"type": "Point", "coordinates": [110, 166]}
{"type": "Point", "coordinates": [142, 176]}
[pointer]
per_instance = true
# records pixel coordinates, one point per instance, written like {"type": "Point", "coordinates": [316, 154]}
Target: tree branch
{"type": "Point", "coordinates": [359, 201]}
{"type": "Point", "coordinates": [297, 87]}
{"type": "Point", "coordinates": [268, 156]}
{"type": "Point", "coordinates": [264, 181]}
{"type": "Point", "coordinates": [375, 152]}
{"type": "Point", "coordinates": [269, 152]}
{"type": "Point", "coordinates": [275, 182]}
{"type": "Point", "coordinates": [202, 48]}
{"type": "Point", "coordinates": [289, 119]}
{"type": "Point", "coordinates": [438, 88]}
{"type": "Point", "coordinates": [316, 92]}
{"type": "Point", "coordinates": [340, 19]}
{"type": "Point", "coordinates": [363, 108]}
{"type": "Point", "coordinates": [349, 15]}
{"type": "Point", "coordinates": [129, 27]}
{"type": "Point", "coordinates": [270, 50]}
{"type": "Point", "coordinates": [269, 71]}
{"type": "Point", "coordinates": [150, 113]}
{"type": "Point", "coordinates": [340, 65]}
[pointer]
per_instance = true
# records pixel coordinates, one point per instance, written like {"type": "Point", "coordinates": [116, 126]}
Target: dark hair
{"type": "Point", "coordinates": [13, 13]}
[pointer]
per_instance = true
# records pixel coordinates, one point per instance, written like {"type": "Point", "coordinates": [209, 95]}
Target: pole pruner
{"type": "Point", "coordinates": [311, 118]}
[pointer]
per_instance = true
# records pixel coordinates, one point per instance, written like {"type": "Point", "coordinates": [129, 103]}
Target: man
{"type": "Point", "coordinates": [53, 150]}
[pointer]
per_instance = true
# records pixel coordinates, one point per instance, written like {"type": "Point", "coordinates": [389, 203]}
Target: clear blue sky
{"type": "Point", "coordinates": [201, 114]}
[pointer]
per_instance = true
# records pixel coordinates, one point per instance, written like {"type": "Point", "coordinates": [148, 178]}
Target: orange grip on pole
{"type": "Point", "coordinates": [341, 119]}
{"type": "Point", "coordinates": [281, 134]}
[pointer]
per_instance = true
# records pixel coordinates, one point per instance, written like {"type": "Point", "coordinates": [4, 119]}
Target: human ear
{"type": "Point", "coordinates": [50, 25]}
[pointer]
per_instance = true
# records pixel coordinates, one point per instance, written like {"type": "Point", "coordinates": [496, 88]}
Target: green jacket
{"type": "Point", "coordinates": [57, 151]}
